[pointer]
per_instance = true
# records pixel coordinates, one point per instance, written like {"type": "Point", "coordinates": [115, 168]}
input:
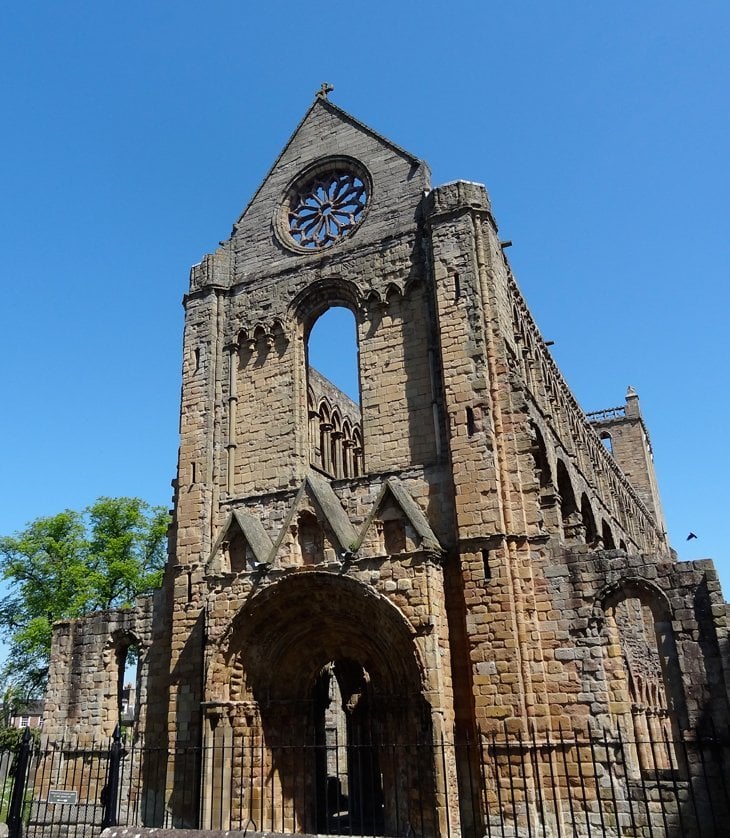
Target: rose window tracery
{"type": "Point", "coordinates": [326, 208]}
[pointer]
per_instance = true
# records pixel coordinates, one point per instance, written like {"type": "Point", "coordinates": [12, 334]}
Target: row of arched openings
{"type": "Point", "coordinates": [335, 443]}
{"type": "Point", "coordinates": [544, 382]}
{"type": "Point", "coordinates": [577, 517]}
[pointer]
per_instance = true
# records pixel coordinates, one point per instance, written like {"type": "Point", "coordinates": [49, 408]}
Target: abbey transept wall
{"type": "Point", "coordinates": [463, 552]}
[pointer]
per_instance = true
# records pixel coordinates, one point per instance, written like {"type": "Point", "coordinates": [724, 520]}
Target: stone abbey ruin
{"type": "Point", "coordinates": [449, 609]}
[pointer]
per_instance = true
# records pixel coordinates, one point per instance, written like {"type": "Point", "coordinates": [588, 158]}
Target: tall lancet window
{"type": "Point", "coordinates": [333, 390]}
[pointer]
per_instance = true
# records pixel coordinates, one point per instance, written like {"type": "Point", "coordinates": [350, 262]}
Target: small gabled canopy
{"type": "Point", "coordinates": [334, 515]}
{"type": "Point", "coordinates": [318, 490]}
{"type": "Point", "coordinates": [252, 530]}
{"type": "Point", "coordinates": [413, 513]}
{"type": "Point", "coordinates": [332, 510]}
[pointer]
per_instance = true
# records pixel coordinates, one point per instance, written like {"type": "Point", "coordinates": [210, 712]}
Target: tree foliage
{"type": "Point", "coordinates": [71, 564]}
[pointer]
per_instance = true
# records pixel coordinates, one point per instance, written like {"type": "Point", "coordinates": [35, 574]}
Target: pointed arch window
{"type": "Point", "coordinates": [589, 521]}
{"type": "Point", "coordinates": [333, 388]}
{"type": "Point", "coordinates": [640, 625]}
{"type": "Point", "coordinates": [568, 505]}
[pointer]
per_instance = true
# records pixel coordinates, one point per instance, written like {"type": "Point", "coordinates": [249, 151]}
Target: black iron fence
{"type": "Point", "coordinates": [500, 785]}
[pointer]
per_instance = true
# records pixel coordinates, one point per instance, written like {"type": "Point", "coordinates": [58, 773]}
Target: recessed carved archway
{"type": "Point", "coordinates": [266, 686]}
{"type": "Point", "coordinates": [282, 637]}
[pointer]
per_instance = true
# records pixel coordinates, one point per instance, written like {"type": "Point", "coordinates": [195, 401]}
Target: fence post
{"type": "Point", "coordinates": [110, 792]}
{"type": "Point", "coordinates": [15, 812]}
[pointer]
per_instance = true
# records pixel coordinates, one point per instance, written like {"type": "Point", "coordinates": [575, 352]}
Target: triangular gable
{"type": "Point", "coordinates": [333, 515]}
{"type": "Point", "coordinates": [252, 530]}
{"type": "Point", "coordinates": [332, 510]}
{"type": "Point", "coordinates": [322, 102]}
{"type": "Point", "coordinates": [413, 513]}
{"type": "Point", "coordinates": [255, 534]}
{"type": "Point", "coordinates": [260, 245]}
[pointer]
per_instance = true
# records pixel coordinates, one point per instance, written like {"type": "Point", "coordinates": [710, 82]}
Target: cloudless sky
{"type": "Point", "coordinates": [133, 135]}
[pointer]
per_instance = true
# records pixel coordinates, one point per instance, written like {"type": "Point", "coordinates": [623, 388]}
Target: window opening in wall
{"type": "Point", "coordinates": [333, 390]}
{"type": "Point", "coordinates": [607, 536]}
{"type": "Point", "coordinates": [540, 457]}
{"type": "Point", "coordinates": [589, 521]}
{"type": "Point", "coordinates": [568, 506]}
{"type": "Point", "coordinates": [197, 359]}
{"type": "Point", "coordinates": [470, 425]}
{"type": "Point", "coordinates": [607, 441]}
{"type": "Point", "coordinates": [128, 662]}
{"type": "Point", "coordinates": [457, 287]}
{"type": "Point", "coordinates": [485, 564]}
{"type": "Point", "coordinates": [332, 350]}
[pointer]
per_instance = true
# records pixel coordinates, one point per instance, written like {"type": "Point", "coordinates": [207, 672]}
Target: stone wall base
{"type": "Point", "coordinates": [160, 832]}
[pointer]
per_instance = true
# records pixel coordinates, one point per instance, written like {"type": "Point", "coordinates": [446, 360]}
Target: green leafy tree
{"type": "Point", "coordinates": [71, 564]}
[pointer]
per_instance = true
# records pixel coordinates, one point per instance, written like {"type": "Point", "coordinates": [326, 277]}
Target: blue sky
{"type": "Point", "coordinates": [134, 134]}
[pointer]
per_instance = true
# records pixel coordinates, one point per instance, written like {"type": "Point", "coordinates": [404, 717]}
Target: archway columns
{"type": "Point", "coordinates": [216, 765]}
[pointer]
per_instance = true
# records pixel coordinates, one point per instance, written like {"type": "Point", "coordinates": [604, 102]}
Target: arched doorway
{"type": "Point", "coordinates": [348, 772]}
{"type": "Point", "coordinates": [324, 689]}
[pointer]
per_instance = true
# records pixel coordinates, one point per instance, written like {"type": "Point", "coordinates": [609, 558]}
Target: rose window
{"type": "Point", "coordinates": [326, 209]}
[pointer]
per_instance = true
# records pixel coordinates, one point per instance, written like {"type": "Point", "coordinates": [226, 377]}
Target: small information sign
{"type": "Point", "coordinates": [64, 798]}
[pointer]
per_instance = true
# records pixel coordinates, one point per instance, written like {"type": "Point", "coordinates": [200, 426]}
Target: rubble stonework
{"type": "Point", "coordinates": [465, 562]}
{"type": "Point", "coordinates": [88, 666]}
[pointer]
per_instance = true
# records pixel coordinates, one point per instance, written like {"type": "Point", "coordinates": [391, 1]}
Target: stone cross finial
{"type": "Point", "coordinates": [325, 90]}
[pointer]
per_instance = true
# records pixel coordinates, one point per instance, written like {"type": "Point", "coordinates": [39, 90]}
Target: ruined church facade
{"type": "Point", "coordinates": [357, 588]}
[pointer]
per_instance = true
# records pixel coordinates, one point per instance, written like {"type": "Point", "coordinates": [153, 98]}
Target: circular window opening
{"type": "Point", "coordinates": [326, 204]}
